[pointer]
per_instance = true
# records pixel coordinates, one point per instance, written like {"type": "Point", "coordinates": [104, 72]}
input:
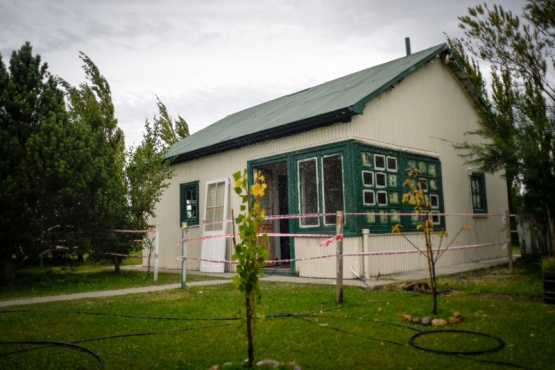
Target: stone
{"type": "Point", "coordinates": [268, 363]}
{"type": "Point", "coordinates": [293, 366]}
{"type": "Point", "coordinates": [439, 322]}
{"type": "Point", "coordinates": [215, 367]}
{"type": "Point", "coordinates": [454, 320]}
{"type": "Point", "coordinates": [407, 317]}
{"type": "Point", "coordinates": [426, 320]}
{"type": "Point", "coordinates": [416, 320]}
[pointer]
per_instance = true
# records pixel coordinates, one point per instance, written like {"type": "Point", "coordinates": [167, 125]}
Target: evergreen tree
{"type": "Point", "coordinates": [170, 131]}
{"type": "Point", "coordinates": [147, 172]}
{"type": "Point", "coordinates": [104, 203]}
{"type": "Point", "coordinates": [521, 124]}
{"type": "Point", "coordinates": [36, 171]}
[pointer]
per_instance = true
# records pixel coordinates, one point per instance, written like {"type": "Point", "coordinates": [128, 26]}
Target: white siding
{"type": "Point", "coordinates": [426, 113]}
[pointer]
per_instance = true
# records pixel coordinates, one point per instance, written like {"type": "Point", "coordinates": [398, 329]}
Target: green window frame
{"type": "Point", "coordinates": [189, 203]}
{"type": "Point", "coordinates": [382, 175]}
{"type": "Point", "coordinates": [478, 192]}
{"type": "Point", "coordinates": [320, 186]}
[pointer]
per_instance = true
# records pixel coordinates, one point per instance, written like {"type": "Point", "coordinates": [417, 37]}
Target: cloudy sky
{"type": "Point", "coordinates": [206, 59]}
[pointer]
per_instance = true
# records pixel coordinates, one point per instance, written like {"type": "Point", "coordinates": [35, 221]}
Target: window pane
{"type": "Point", "coordinates": [332, 169]}
{"type": "Point", "coordinates": [392, 164]}
{"type": "Point", "coordinates": [369, 198]}
{"type": "Point", "coordinates": [379, 162]}
{"type": "Point", "coordinates": [382, 198]}
{"type": "Point", "coordinates": [188, 203]}
{"type": "Point", "coordinates": [367, 159]}
{"type": "Point", "coordinates": [478, 189]}
{"type": "Point", "coordinates": [368, 178]}
{"type": "Point", "coordinates": [380, 180]}
{"type": "Point", "coordinates": [308, 191]}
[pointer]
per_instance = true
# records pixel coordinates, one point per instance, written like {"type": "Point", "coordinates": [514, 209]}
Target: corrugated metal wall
{"type": "Point", "coordinates": [426, 113]}
{"type": "Point", "coordinates": [386, 264]}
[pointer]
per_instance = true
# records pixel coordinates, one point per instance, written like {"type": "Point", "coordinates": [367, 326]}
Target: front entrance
{"type": "Point", "coordinates": [276, 203]}
{"type": "Point", "coordinates": [215, 211]}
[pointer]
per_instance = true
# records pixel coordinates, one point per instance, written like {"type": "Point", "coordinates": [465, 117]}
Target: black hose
{"type": "Point", "coordinates": [500, 342]}
{"type": "Point", "coordinates": [53, 343]}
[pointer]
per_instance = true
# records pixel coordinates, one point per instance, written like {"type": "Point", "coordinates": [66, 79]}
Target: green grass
{"type": "Point", "coordinates": [301, 323]}
{"type": "Point", "coordinates": [34, 281]}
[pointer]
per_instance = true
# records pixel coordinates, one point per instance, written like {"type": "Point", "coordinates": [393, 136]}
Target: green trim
{"type": "Point", "coordinates": [293, 128]}
{"type": "Point", "coordinates": [183, 190]}
{"type": "Point", "coordinates": [353, 167]}
{"type": "Point", "coordinates": [381, 179]}
{"type": "Point", "coordinates": [478, 192]}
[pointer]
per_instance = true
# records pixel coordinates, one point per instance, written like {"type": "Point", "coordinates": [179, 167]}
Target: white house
{"type": "Point", "coordinates": [342, 145]}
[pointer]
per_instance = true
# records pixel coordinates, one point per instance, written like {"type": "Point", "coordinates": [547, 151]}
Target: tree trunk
{"type": "Point", "coordinates": [117, 264]}
{"type": "Point", "coordinates": [8, 269]}
{"type": "Point", "coordinates": [249, 301]}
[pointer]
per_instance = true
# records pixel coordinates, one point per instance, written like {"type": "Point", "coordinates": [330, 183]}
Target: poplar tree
{"type": "Point", "coordinates": [169, 130]}
{"type": "Point", "coordinates": [147, 171]}
{"type": "Point", "coordinates": [104, 203]}
{"type": "Point", "coordinates": [521, 124]}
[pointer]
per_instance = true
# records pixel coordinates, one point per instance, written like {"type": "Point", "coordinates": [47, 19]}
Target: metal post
{"type": "Point", "coordinates": [183, 254]}
{"type": "Point", "coordinates": [365, 233]}
{"type": "Point", "coordinates": [339, 247]}
{"type": "Point", "coordinates": [509, 243]}
{"type": "Point", "coordinates": [156, 251]}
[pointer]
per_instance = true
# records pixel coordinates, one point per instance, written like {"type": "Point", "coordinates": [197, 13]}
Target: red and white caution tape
{"type": "Point", "coordinates": [341, 255]}
{"type": "Point", "coordinates": [327, 243]}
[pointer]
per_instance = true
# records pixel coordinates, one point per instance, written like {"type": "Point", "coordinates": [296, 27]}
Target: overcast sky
{"type": "Point", "coordinates": [207, 59]}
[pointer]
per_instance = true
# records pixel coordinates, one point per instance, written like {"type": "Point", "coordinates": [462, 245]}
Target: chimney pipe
{"type": "Point", "coordinates": [407, 45]}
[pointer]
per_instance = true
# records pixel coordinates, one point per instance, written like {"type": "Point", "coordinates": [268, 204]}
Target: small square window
{"type": "Point", "coordinates": [433, 184]}
{"type": "Point", "coordinates": [392, 180]}
{"type": "Point", "coordinates": [393, 197]}
{"type": "Point", "coordinates": [434, 201]}
{"type": "Point", "coordinates": [379, 162]}
{"type": "Point", "coordinates": [435, 217]}
{"type": "Point", "coordinates": [368, 178]}
{"type": "Point", "coordinates": [380, 180]}
{"type": "Point", "coordinates": [423, 184]}
{"type": "Point", "coordinates": [369, 198]}
{"type": "Point", "coordinates": [395, 217]}
{"type": "Point", "coordinates": [382, 198]}
{"type": "Point", "coordinates": [367, 159]}
{"type": "Point", "coordinates": [392, 164]}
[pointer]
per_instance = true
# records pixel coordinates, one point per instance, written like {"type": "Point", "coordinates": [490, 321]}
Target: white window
{"type": "Point", "coordinates": [332, 174]}
{"type": "Point", "coordinates": [308, 191]}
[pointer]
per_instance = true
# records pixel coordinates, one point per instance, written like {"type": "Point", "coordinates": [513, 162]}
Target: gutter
{"type": "Point", "coordinates": [343, 115]}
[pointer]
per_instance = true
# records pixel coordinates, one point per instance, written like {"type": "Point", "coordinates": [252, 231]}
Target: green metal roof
{"type": "Point", "coordinates": [331, 102]}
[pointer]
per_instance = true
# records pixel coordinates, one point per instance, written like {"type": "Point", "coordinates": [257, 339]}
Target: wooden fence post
{"type": "Point", "coordinates": [509, 243]}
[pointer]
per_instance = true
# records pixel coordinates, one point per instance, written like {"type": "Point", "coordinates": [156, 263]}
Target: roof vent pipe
{"type": "Point", "coordinates": [407, 45]}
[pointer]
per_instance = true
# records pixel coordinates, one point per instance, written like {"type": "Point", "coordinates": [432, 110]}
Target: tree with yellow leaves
{"type": "Point", "coordinates": [417, 199]}
{"type": "Point", "coordinates": [250, 252]}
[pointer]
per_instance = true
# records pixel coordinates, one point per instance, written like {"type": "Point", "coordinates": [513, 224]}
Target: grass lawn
{"type": "Point", "coordinates": [197, 327]}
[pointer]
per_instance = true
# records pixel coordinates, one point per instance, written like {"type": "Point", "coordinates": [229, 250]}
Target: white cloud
{"type": "Point", "coordinates": [207, 59]}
